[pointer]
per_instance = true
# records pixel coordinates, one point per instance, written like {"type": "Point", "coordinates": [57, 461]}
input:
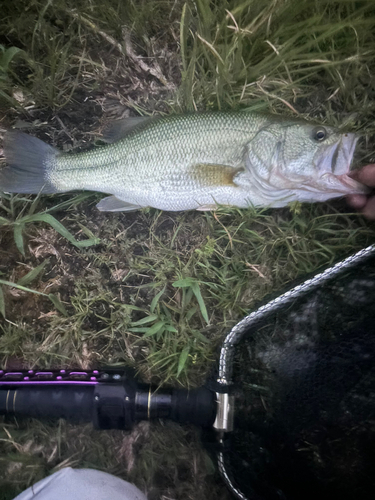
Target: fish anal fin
{"type": "Point", "coordinates": [113, 204]}
{"type": "Point", "coordinates": [119, 129]}
{"type": "Point", "coordinates": [207, 208]}
{"type": "Point", "coordinates": [212, 175]}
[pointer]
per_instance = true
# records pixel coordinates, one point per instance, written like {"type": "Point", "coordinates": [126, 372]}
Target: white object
{"type": "Point", "coordinates": [82, 484]}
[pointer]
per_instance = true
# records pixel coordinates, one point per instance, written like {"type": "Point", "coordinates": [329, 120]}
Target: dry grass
{"type": "Point", "coordinates": [83, 64]}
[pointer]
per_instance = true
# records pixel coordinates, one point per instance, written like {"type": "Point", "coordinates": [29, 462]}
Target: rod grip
{"type": "Point", "coordinates": [72, 403]}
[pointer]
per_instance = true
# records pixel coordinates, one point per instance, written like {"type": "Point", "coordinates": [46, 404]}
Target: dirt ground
{"type": "Point", "coordinates": [133, 59]}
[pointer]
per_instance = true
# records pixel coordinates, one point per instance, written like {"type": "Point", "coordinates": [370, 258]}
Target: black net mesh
{"type": "Point", "coordinates": [305, 411]}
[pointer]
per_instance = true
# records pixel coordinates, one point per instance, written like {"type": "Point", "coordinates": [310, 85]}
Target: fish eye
{"type": "Point", "coordinates": [319, 134]}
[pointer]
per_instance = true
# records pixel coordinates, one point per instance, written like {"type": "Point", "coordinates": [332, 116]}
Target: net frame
{"type": "Point", "coordinates": [248, 324]}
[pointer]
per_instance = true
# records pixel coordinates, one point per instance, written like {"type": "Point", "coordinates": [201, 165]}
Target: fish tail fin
{"type": "Point", "coordinates": [29, 164]}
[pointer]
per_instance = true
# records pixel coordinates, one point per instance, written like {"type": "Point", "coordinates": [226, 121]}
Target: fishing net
{"type": "Point", "coordinates": [305, 411]}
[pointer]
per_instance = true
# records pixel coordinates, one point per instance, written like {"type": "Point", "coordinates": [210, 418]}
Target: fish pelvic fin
{"type": "Point", "coordinates": [29, 164]}
{"type": "Point", "coordinates": [212, 175]}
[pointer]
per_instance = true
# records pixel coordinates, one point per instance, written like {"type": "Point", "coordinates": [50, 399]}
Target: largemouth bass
{"type": "Point", "coordinates": [195, 161]}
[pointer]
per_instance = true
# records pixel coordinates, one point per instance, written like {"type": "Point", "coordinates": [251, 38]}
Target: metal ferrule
{"type": "Point", "coordinates": [225, 412]}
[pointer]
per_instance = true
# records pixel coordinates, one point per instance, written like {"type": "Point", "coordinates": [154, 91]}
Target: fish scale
{"type": "Point", "coordinates": [157, 159]}
{"type": "Point", "coordinates": [194, 161]}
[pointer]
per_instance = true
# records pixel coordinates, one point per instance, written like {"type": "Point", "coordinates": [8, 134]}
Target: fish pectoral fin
{"type": "Point", "coordinates": [121, 128]}
{"type": "Point", "coordinates": [113, 204]}
{"type": "Point", "coordinates": [213, 175]}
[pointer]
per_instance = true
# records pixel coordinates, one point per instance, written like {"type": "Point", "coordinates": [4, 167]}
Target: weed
{"type": "Point", "coordinates": [6, 56]}
{"type": "Point", "coordinates": [20, 221]}
{"type": "Point", "coordinates": [158, 291]}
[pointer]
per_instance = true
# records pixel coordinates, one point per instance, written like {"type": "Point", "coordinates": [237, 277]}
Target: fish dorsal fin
{"type": "Point", "coordinates": [113, 204]}
{"type": "Point", "coordinates": [212, 175]}
{"type": "Point", "coordinates": [120, 128]}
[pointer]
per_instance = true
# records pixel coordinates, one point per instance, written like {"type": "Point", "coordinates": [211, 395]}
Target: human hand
{"type": "Point", "coordinates": [366, 204]}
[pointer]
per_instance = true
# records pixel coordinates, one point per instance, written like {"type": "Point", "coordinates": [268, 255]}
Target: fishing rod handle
{"type": "Point", "coordinates": [110, 399]}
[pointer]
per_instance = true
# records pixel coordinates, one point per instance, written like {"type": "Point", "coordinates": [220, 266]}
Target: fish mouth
{"type": "Point", "coordinates": [334, 168]}
{"type": "Point", "coordinates": [341, 184]}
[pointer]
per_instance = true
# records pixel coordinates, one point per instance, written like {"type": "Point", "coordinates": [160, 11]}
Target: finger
{"type": "Point", "coordinates": [369, 209]}
{"type": "Point", "coordinates": [356, 200]}
{"type": "Point", "coordinates": [367, 175]}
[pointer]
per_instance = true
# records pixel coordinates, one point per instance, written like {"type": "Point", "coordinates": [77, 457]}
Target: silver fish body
{"type": "Point", "coordinates": [195, 161]}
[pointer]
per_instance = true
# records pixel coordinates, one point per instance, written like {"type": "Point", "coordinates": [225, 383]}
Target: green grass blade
{"type": "Point", "coordinates": [4, 221]}
{"type": "Point", "coordinates": [155, 300]}
{"type": "Point", "coordinates": [2, 302]}
{"type": "Point", "coordinates": [87, 232]}
{"type": "Point", "coordinates": [18, 237]}
{"type": "Point", "coordinates": [75, 200]}
{"type": "Point", "coordinates": [154, 329]}
{"type": "Point", "coordinates": [182, 359]}
{"type": "Point", "coordinates": [7, 56]}
{"type": "Point", "coordinates": [8, 98]}
{"type": "Point", "coordinates": [183, 283]}
{"type": "Point", "coordinates": [198, 295]}
{"type": "Point", "coordinates": [170, 328]}
{"type": "Point", "coordinates": [206, 17]}
{"type": "Point", "coordinates": [144, 321]}
{"type": "Point", "coordinates": [187, 295]}
{"type": "Point", "coordinates": [58, 304]}
{"type": "Point", "coordinates": [198, 335]}
{"type": "Point", "coordinates": [49, 219]}
{"type": "Point", "coordinates": [31, 275]}
{"type": "Point", "coordinates": [53, 298]}
{"type": "Point", "coordinates": [191, 312]}
{"type": "Point", "coordinates": [20, 287]}
{"type": "Point", "coordinates": [184, 27]}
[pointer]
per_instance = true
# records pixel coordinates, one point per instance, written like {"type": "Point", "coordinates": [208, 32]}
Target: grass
{"type": "Point", "coordinates": [153, 290]}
